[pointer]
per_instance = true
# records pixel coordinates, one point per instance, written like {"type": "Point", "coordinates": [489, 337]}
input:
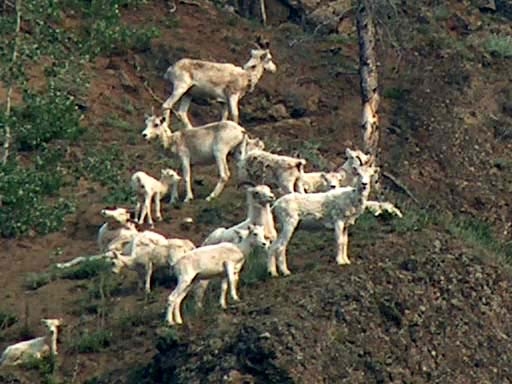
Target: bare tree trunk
{"type": "Point", "coordinates": [368, 78]}
{"type": "Point", "coordinates": [7, 136]}
{"type": "Point", "coordinates": [263, 12]}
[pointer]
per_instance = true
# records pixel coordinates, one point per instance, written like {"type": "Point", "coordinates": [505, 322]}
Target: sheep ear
{"type": "Point", "coordinates": [239, 235]}
{"type": "Point", "coordinates": [324, 177]}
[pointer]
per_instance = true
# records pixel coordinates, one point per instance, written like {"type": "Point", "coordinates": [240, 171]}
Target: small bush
{"type": "Point", "coordinates": [46, 117]}
{"type": "Point", "coordinates": [92, 342]}
{"type": "Point", "coordinates": [86, 270]}
{"type": "Point", "coordinates": [7, 319]}
{"type": "Point", "coordinates": [35, 281]}
{"type": "Point", "coordinates": [499, 46]}
{"type": "Point", "coordinates": [255, 268]}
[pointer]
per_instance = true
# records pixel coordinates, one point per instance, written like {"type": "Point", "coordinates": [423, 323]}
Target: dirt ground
{"type": "Point", "coordinates": [418, 304]}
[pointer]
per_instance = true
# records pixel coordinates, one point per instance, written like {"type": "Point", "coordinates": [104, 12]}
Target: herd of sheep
{"type": "Point", "coordinates": [314, 200]}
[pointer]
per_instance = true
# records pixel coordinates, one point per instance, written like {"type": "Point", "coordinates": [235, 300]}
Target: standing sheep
{"type": "Point", "coordinates": [223, 259]}
{"type": "Point", "coordinates": [224, 82]}
{"type": "Point", "coordinates": [148, 189]}
{"type": "Point", "coordinates": [207, 144]}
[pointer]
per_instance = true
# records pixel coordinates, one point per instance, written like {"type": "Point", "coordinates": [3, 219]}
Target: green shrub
{"type": "Point", "coordinates": [255, 268]}
{"type": "Point", "coordinates": [7, 319]}
{"type": "Point", "coordinates": [86, 270]}
{"type": "Point", "coordinates": [45, 117]}
{"type": "Point", "coordinates": [89, 342]}
{"type": "Point", "coordinates": [499, 46]}
{"type": "Point", "coordinates": [35, 281]}
{"type": "Point", "coordinates": [30, 187]}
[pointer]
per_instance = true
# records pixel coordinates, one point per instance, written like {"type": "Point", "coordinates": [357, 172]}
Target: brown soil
{"type": "Point", "coordinates": [418, 305]}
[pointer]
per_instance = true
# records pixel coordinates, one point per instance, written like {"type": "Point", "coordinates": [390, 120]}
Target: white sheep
{"type": "Point", "coordinates": [148, 189]}
{"type": "Point", "coordinates": [259, 198]}
{"type": "Point", "coordinates": [204, 145]}
{"type": "Point", "coordinates": [119, 228]}
{"type": "Point", "coordinates": [35, 348]}
{"type": "Point", "coordinates": [337, 208]}
{"type": "Point", "coordinates": [224, 82]}
{"type": "Point", "coordinates": [146, 254]}
{"type": "Point", "coordinates": [257, 166]}
{"type": "Point", "coordinates": [219, 260]}
{"type": "Point", "coordinates": [115, 236]}
{"type": "Point", "coordinates": [342, 177]}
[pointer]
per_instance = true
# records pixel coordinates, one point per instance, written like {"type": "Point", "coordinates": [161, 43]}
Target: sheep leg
{"type": "Point", "coordinates": [138, 208]}
{"type": "Point", "coordinates": [149, 271]}
{"type": "Point", "coordinates": [223, 175]}
{"type": "Point", "coordinates": [178, 91]}
{"type": "Point", "coordinates": [185, 165]}
{"type": "Point", "coordinates": [231, 274]}
{"type": "Point", "coordinates": [278, 249]}
{"type": "Point", "coordinates": [182, 111]}
{"type": "Point", "coordinates": [173, 315]}
{"type": "Point", "coordinates": [225, 112]}
{"type": "Point", "coordinates": [233, 107]}
{"type": "Point", "coordinates": [224, 293]}
{"type": "Point", "coordinates": [199, 291]}
{"type": "Point", "coordinates": [174, 193]}
{"type": "Point", "coordinates": [341, 231]}
{"type": "Point", "coordinates": [158, 209]}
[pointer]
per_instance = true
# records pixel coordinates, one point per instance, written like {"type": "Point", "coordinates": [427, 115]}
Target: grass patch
{"type": "Point", "coordinates": [255, 268]}
{"type": "Point", "coordinates": [7, 319]}
{"type": "Point", "coordinates": [90, 342]}
{"type": "Point", "coordinates": [310, 151]}
{"type": "Point", "coordinates": [85, 270]}
{"type": "Point", "coordinates": [499, 46]}
{"type": "Point", "coordinates": [35, 281]}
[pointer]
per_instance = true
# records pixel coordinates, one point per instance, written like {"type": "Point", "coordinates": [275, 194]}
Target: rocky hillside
{"type": "Point", "coordinates": [426, 298]}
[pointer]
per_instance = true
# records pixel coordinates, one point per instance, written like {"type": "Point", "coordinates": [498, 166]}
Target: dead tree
{"type": "Point", "coordinates": [368, 78]}
{"type": "Point", "coordinates": [7, 129]}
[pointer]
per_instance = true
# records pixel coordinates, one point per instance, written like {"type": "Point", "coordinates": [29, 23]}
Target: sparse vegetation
{"type": "Point", "coordinates": [92, 341]}
{"type": "Point", "coordinates": [499, 46]}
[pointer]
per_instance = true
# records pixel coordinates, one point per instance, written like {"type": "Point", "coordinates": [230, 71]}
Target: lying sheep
{"type": "Point", "coordinates": [337, 208]}
{"type": "Point", "coordinates": [148, 188]}
{"type": "Point", "coordinates": [207, 144]}
{"type": "Point", "coordinates": [261, 167]}
{"type": "Point", "coordinates": [115, 236]}
{"type": "Point", "coordinates": [146, 254]}
{"type": "Point", "coordinates": [35, 348]}
{"type": "Point", "coordinates": [259, 198]}
{"type": "Point", "coordinates": [224, 259]}
{"type": "Point", "coordinates": [119, 228]}
{"type": "Point", "coordinates": [342, 177]}
{"type": "Point", "coordinates": [222, 81]}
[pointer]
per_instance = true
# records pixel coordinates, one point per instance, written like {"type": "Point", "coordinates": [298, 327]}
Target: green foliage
{"type": "Point", "coordinates": [499, 46]}
{"type": "Point", "coordinates": [85, 270]}
{"type": "Point", "coordinates": [310, 150]}
{"type": "Point", "coordinates": [25, 192]}
{"type": "Point", "coordinates": [46, 367]}
{"type": "Point", "coordinates": [35, 281]}
{"type": "Point", "coordinates": [90, 342]}
{"type": "Point", "coordinates": [255, 267]}
{"type": "Point", "coordinates": [7, 319]}
{"type": "Point", "coordinates": [104, 167]}
{"type": "Point", "coordinates": [45, 117]}
{"type": "Point", "coordinates": [103, 32]}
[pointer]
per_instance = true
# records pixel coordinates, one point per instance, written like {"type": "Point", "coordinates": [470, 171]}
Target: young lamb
{"type": "Point", "coordinates": [259, 198]}
{"type": "Point", "coordinates": [35, 348]}
{"type": "Point", "coordinates": [224, 82]}
{"type": "Point", "coordinates": [148, 188]}
{"type": "Point", "coordinates": [258, 166]}
{"type": "Point", "coordinates": [207, 144]}
{"type": "Point", "coordinates": [223, 259]}
{"type": "Point", "coordinates": [337, 208]}
{"type": "Point", "coordinates": [342, 177]}
{"type": "Point", "coordinates": [147, 254]}
{"type": "Point", "coordinates": [115, 235]}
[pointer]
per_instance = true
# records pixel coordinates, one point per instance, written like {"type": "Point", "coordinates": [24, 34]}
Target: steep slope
{"type": "Point", "coordinates": [427, 298]}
